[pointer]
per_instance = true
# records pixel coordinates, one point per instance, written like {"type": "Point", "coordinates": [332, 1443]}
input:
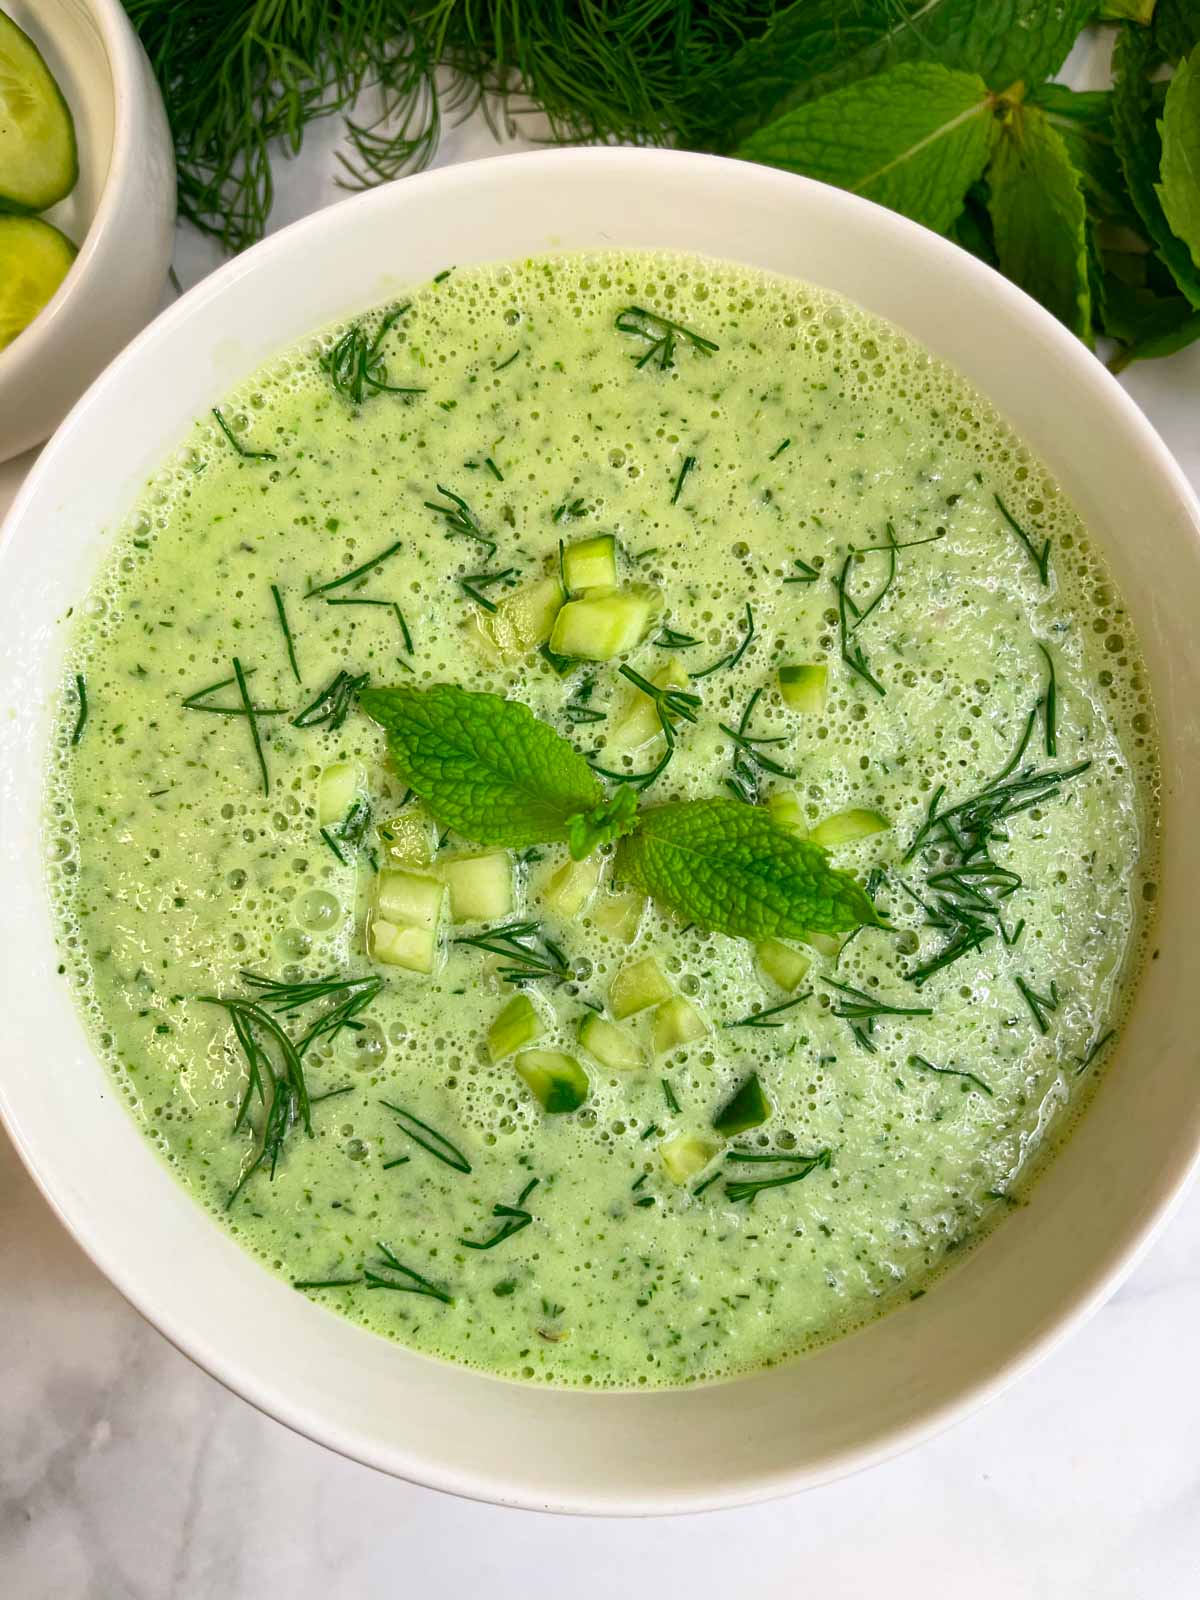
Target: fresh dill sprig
{"type": "Point", "coordinates": [688, 463]}
{"type": "Point", "coordinates": [516, 943]}
{"type": "Point", "coordinates": [568, 510]}
{"type": "Point", "coordinates": [671, 704]}
{"type": "Point", "coordinates": [807, 573]}
{"type": "Point", "coordinates": [577, 710]}
{"type": "Point", "coordinates": [334, 703]}
{"type": "Point", "coordinates": [860, 1010]}
{"type": "Point", "coordinates": [287, 632]}
{"type": "Point", "coordinates": [325, 1283]}
{"type": "Point", "coordinates": [246, 455]}
{"type": "Point", "coordinates": [749, 762]}
{"type": "Point", "coordinates": [1094, 1050]}
{"type": "Point", "coordinates": [429, 1138]}
{"type": "Point", "coordinates": [196, 701]}
{"type": "Point", "coordinates": [671, 639]}
{"type": "Point", "coordinates": [475, 581]}
{"type": "Point", "coordinates": [1040, 558]}
{"type": "Point", "coordinates": [769, 1016]}
{"type": "Point", "coordinates": [1039, 1004]}
{"type": "Point", "coordinates": [662, 335]}
{"type": "Point", "coordinates": [356, 572]}
{"type": "Point", "coordinates": [416, 1284]}
{"type": "Point", "coordinates": [501, 365]}
{"type": "Point", "coordinates": [778, 450]}
{"type": "Point", "coordinates": [392, 606]}
{"type": "Point", "coordinates": [669, 1095]}
{"type": "Point", "coordinates": [356, 365]}
{"type": "Point", "coordinates": [82, 714]}
{"type": "Point", "coordinates": [493, 469]}
{"type": "Point", "coordinates": [252, 718]}
{"type": "Point", "coordinates": [460, 519]}
{"type": "Point", "coordinates": [739, 1190]}
{"type": "Point", "coordinates": [734, 656]}
{"type": "Point", "coordinates": [1050, 703]}
{"type": "Point", "coordinates": [514, 1219]}
{"type": "Point", "coordinates": [952, 1072]}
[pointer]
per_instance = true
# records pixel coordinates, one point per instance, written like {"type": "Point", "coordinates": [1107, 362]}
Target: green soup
{"type": "Point", "coordinates": [898, 638]}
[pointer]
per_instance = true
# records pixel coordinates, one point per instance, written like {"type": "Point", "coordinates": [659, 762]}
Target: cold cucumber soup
{"type": "Point", "coordinates": [603, 818]}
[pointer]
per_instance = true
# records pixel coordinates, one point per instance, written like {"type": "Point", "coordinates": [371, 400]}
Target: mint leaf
{"type": "Point", "coordinates": [1179, 190]}
{"type": "Point", "coordinates": [606, 823]}
{"type": "Point", "coordinates": [487, 768]}
{"type": "Point", "coordinates": [1083, 121]}
{"type": "Point", "coordinates": [1135, 111]}
{"type": "Point", "coordinates": [815, 46]}
{"type": "Point", "coordinates": [728, 867]}
{"type": "Point", "coordinates": [1039, 218]}
{"type": "Point", "coordinates": [914, 139]}
{"type": "Point", "coordinates": [1148, 323]}
{"type": "Point", "coordinates": [1176, 28]}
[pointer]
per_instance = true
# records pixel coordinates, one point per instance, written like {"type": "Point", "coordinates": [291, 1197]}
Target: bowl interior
{"type": "Point", "coordinates": [684, 1450]}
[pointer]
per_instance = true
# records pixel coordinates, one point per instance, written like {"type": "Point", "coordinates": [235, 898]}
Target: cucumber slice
{"type": "Point", "coordinates": [825, 944]}
{"type": "Point", "coordinates": [685, 1155]}
{"type": "Point", "coordinates": [637, 986]}
{"type": "Point", "coordinates": [639, 722]}
{"type": "Point", "coordinates": [556, 1081]}
{"type": "Point", "coordinates": [408, 899]}
{"type": "Point", "coordinates": [782, 964]}
{"type": "Point", "coordinates": [787, 812]}
{"type": "Point", "coordinates": [676, 1022]}
{"type": "Point", "coordinates": [522, 620]}
{"type": "Point", "coordinates": [38, 159]}
{"type": "Point", "coordinates": [516, 1025]}
{"type": "Point", "coordinates": [847, 827]}
{"type": "Point", "coordinates": [803, 688]}
{"type": "Point", "coordinates": [402, 945]}
{"type": "Point", "coordinates": [573, 885]}
{"type": "Point", "coordinates": [337, 789]}
{"type": "Point", "coordinates": [481, 886]}
{"type": "Point", "coordinates": [605, 623]}
{"type": "Point", "coordinates": [409, 839]}
{"type": "Point", "coordinates": [612, 1047]}
{"type": "Point", "coordinates": [34, 260]}
{"type": "Point", "coordinates": [620, 916]}
{"type": "Point", "coordinates": [748, 1107]}
{"type": "Point", "coordinates": [591, 564]}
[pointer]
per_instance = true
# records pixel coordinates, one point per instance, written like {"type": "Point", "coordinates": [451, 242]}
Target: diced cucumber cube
{"type": "Point", "coordinates": [787, 812]}
{"type": "Point", "coordinates": [518, 1024]}
{"type": "Point", "coordinates": [523, 619]}
{"type": "Point", "coordinates": [748, 1107]}
{"type": "Point", "coordinates": [402, 944]}
{"type": "Point", "coordinates": [556, 1081]}
{"type": "Point", "coordinates": [573, 885]}
{"type": "Point", "coordinates": [407, 897]}
{"type": "Point", "coordinates": [676, 1022]}
{"type": "Point", "coordinates": [605, 622]}
{"type": "Point", "coordinates": [409, 838]}
{"type": "Point", "coordinates": [637, 986]}
{"type": "Point", "coordinates": [782, 964]}
{"type": "Point", "coordinates": [612, 1047]}
{"type": "Point", "coordinates": [847, 827]}
{"type": "Point", "coordinates": [620, 916]}
{"type": "Point", "coordinates": [803, 688]}
{"type": "Point", "coordinates": [481, 886]}
{"type": "Point", "coordinates": [685, 1155]}
{"type": "Point", "coordinates": [639, 722]}
{"type": "Point", "coordinates": [337, 789]}
{"type": "Point", "coordinates": [591, 564]}
{"type": "Point", "coordinates": [825, 944]}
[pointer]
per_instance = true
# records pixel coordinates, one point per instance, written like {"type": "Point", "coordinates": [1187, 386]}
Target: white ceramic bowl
{"type": "Point", "coordinates": [867, 1396]}
{"type": "Point", "coordinates": [121, 214]}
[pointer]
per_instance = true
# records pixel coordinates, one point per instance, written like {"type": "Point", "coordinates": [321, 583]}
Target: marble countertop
{"type": "Point", "coordinates": [126, 1473]}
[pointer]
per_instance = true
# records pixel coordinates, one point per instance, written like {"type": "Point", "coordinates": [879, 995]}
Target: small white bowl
{"type": "Point", "coordinates": [858, 1400]}
{"type": "Point", "coordinates": [121, 214]}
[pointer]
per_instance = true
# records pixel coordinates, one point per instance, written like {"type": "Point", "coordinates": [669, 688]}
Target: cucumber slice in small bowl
{"type": "Point", "coordinates": [39, 163]}
{"type": "Point", "coordinates": [34, 259]}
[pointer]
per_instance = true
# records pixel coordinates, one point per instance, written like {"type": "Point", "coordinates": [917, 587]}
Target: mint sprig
{"type": "Point", "coordinates": [490, 770]}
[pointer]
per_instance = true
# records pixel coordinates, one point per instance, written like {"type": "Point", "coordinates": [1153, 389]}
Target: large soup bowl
{"type": "Point", "coordinates": [868, 1395]}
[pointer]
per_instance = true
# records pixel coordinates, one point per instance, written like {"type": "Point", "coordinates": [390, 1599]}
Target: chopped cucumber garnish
{"type": "Point", "coordinates": [782, 964]}
{"type": "Point", "coordinates": [825, 944]}
{"type": "Point", "coordinates": [408, 898]}
{"type": "Point", "coordinates": [620, 916]}
{"type": "Point", "coordinates": [34, 260]}
{"type": "Point", "coordinates": [747, 1108]}
{"type": "Point", "coordinates": [408, 839]}
{"type": "Point", "coordinates": [847, 827]}
{"type": "Point", "coordinates": [573, 885]}
{"type": "Point", "coordinates": [517, 1024]}
{"type": "Point", "coordinates": [38, 160]}
{"type": "Point", "coordinates": [685, 1155]}
{"type": "Point", "coordinates": [677, 1022]}
{"type": "Point", "coordinates": [337, 789]}
{"type": "Point", "coordinates": [612, 1047]}
{"type": "Point", "coordinates": [606, 623]}
{"type": "Point", "coordinates": [639, 722]}
{"type": "Point", "coordinates": [523, 619]}
{"type": "Point", "coordinates": [556, 1081]}
{"type": "Point", "coordinates": [803, 688]}
{"type": "Point", "coordinates": [591, 564]}
{"type": "Point", "coordinates": [402, 944]}
{"type": "Point", "coordinates": [637, 986]}
{"type": "Point", "coordinates": [786, 810]}
{"type": "Point", "coordinates": [481, 886]}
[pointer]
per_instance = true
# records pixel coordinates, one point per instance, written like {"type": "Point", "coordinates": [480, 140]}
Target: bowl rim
{"type": "Point", "coordinates": [122, 50]}
{"type": "Point", "coordinates": [295, 1411]}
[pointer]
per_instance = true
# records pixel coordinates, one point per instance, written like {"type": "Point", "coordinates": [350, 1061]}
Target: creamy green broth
{"type": "Point", "coordinates": [810, 429]}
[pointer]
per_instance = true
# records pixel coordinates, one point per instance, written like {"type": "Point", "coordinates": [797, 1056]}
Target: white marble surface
{"type": "Point", "coordinates": [128, 1474]}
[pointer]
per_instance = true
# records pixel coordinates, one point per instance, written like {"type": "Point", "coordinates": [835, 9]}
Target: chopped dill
{"type": "Point", "coordinates": [806, 573]}
{"type": "Point", "coordinates": [246, 455]}
{"type": "Point", "coordinates": [952, 1072]}
{"type": "Point", "coordinates": [735, 656]}
{"type": "Point", "coordinates": [334, 703]}
{"type": "Point", "coordinates": [671, 639]}
{"type": "Point", "coordinates": [287, 632]}
{"type": "Point", "coordinates": [688, 463]}
{"type": "Point", "coordinates": [460, 519]}
{"type": "Point", "coordinates": [861, 1009]}
{"type": "Point", "coordinates": [474, 582]}
{"type": "Point", "coordinates": [252, 718]}
{"type": "Point", "coordinates": [82, 715]}
{"type": "Point", "coordinates": [416, 1284]}
{"type": "Point", "coordinates": [1050, 703]}
{"type": "Point", "coordinates": [514, 1219]}
{"type": "Point", "coordinates": [356, 572]}
{"type": "Point", "coordinates": [429, 1138]}
{"type": "Point", "coordinates": [1039, 1004]}
{"type": "Point", "coordinates": [669, 1095]}
{"type": "Point", "coordinates": [662, 336]}
{"type": "Point", "coordinates": [769, 1016]}
{"type": "Point", "coordinates": [749, 762]}
{"type": "Point", "coordinates": [356, 365]}
{"type": "Point", "coordinates": [778, 450]}
{"type": "Point", "coordinates": [516, 943]}
{"type": "Point", "coordinates": [1040, 558]}
{"type": "Point", "coordinates": [748, 1189]}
